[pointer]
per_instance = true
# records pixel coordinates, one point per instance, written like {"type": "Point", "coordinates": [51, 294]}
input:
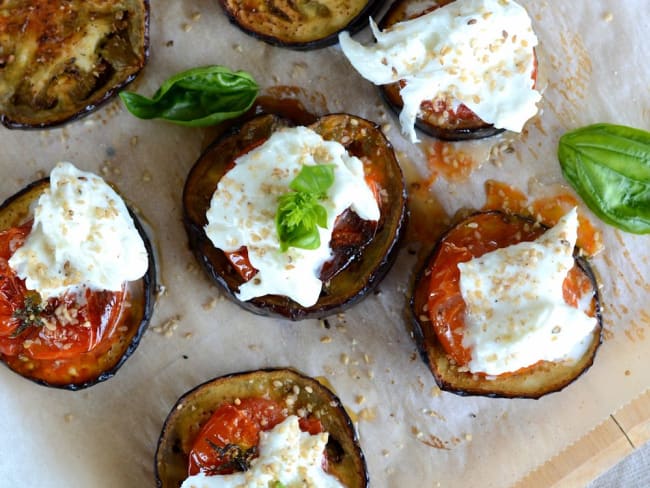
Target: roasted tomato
{"type": "Point", "coordinates": [215, 427]}
{"type": "Point", "coordinates": [62, 59]}
{"type": "Point", "coordinates": [302, 25]}
{"type": "Point", "coordinates": [437, 117]}
{"type": "Point", "coordinates": [66, 342]}
{"type": "Point", "coordinates": [438, 310]}
{"type": "Point", "coordinates": [362, 251]}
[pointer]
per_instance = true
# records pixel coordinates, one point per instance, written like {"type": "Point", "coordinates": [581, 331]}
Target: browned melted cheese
{"type": "Point", "coordinates": [59, 58]}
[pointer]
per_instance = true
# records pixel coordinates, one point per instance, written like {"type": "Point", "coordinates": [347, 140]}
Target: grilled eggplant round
{"type": "Point", "coordinates": [60, 60]}
{"type": "Point", "coordinates": [436, 117]}
{"type": "Point", "coordinates": [357, 265]}
{"type": "Point", "coordinates": [102, 361]}
{"type": "Point", "coordinates": [302, 24]}
{"type": "Point", "coordinates": [438, 275]}
{"type": "Point", "coordinates": [192, 411]}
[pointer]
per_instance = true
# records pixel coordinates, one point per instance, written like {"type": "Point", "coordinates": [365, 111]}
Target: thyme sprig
{"type": "Point", "coordinates": [29, 315]}
{"type": "Point", "coordinates": [236, 458]}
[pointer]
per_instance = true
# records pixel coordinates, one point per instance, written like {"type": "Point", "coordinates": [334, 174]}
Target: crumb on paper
{"type": "Point", "coordinates": [146, 176]}
{"type": "Point", "coordinates": [68, 418]}
{"type": "Point", "coordinates": [210, 304]}
{"type": "Point", "coordinates": [238, 48]}
{"type": "Point", "coordinates": [468, 437]}
{"type": "Point", "coordinates": [186, 27]}
{"type": "Point", "coordinates": [161, 291]}
{"type": "Point", "coordinates": [196, 16]}
{"type": "Point", "coordinates": [326, 339]}
{"type": "Point", "coordinates": [169, 43]}
{"type": "Point", "coordinates": [168, 327]}
{"type": "Point", "coordinates": [188, 335]}
{"type": "Point", "coordinates": [608, 16]}
{"type": "Point", "coordinates": [254, 347]}
{"type": "Point", "coordinates": [628, 372]}
{"type": "Point", "coordinates": [359, 399]}
{"type": "Point", "coordinates": [368, 414]}
{"type": "Point", "coordinates": [435, 391]}
{"type": "Point", "coordinates": [345, 359]}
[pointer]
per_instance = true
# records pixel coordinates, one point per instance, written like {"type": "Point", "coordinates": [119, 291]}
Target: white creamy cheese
{"type": "Point", "coordinates": [475, 52]}
{"type": "Point", "coordinates": [516, 314]}
{"type": "Point", "coordinates": [82, 236]}
{"type": "Point", "coordinates": [243, 207]}
{"type": "Point", "coordinates": [287, 455]}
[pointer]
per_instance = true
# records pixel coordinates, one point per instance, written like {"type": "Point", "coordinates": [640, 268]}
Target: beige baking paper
{"type": "Point", "coordinates": [594, 56]}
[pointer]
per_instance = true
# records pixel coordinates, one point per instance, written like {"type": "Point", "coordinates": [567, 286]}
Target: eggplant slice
{"type": "Point", "coordinates": [533, 382]}
{"type": "Point", "coordinates": [433, 118]}
{"type": "Point", "coordinates": [194, 408]}
{"type": "Point", "coordinates": [299, 24]}
{"type": "Point", "coordinates": [102, 362]}
{"type": "Point", "coordinates": [61, 59]}
{"type": "Point", "coordinates": [359, 268]}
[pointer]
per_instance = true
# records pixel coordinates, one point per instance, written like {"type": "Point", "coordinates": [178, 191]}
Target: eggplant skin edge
{"type": "Point", "coordinates": [283, 307]}
{"type": "Point", "coordinates": [149, 284]}
{"type": "Point", "coordinates": [355, 25]}
{"type": "Point", "coordinates": [431, 351]}
{"type": "Point", "coordinates": [334, 404]}
{"type": "Point", "coordinates": [107, 94]}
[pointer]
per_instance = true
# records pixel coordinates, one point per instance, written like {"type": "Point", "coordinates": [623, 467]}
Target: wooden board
{"type": "Point", "coordinates": [618, 436]}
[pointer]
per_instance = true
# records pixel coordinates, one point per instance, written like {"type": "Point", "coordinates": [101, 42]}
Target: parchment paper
{"type": "Point", "coordinates": [594, 56]}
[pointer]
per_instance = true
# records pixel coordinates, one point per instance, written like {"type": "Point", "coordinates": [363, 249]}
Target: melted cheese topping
{"type": "Point", "coordinates": [476, 52]}
{"type": "Point", "coordinates": [243, 207]}
{"type": "Point", "coordinates": [287, 455]}
{"type": "Point", "coordinates": [516, 313]}
{"type": "Point", "coordinates": [82, 236]}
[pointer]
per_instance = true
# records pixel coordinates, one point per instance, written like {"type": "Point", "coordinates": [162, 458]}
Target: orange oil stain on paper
{"type": "Point", "coordinates": [443, 158]}
{"type": "Point", "coordinates": [428, 219]}
{"type": "Point", "coordinates": [548, 210]}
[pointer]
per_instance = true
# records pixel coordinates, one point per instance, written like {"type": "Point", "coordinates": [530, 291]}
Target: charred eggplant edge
{"type": "Point", "coordinates": [353, 26]}
{"type": "Point", "coordinates": [149, 290]}
{"type": "Point", "coordinates": [107, 95]}
{"type": "Point", "coordinates": [431, 351]}
{"type": "Point", "coordinates": [343, 420]}
{"type": "Point", "coordinates": [289, 309]}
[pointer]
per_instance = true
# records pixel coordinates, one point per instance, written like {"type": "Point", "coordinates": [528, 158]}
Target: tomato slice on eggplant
{"type": "Point", "coordinates": [81, 355]}
{"type": "Point", "coordinates": [302, 24]}
{"type": "Point", "coordinates": [437, 310]}
{"type": "Point", "coordinates": [243, 397]}
{"type": "Point", "coordinates": [60, 60]}
{"type": "Point", "coordinates": [357, 266]}
{"type": "Point", "coordinates": [436, 118]}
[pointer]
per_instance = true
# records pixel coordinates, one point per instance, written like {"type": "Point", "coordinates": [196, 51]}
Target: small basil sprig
{"type": "Point", "coordinates": [609, 166]}
{"type": "Point", "coordinates": [299, 214]}
{"type": "Point", "coordinates": [197, 97]}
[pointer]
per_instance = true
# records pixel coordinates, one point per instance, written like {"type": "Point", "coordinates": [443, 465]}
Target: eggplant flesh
{"type": "Point", "coordinates": [299, 24]}
{"type": "Point", "coordinates": [102, 362]}
{"type": "Point", "coordinates": [533, 382]}
{"type": "Point", "coordinates": [433, 119]}
{"type": "Point", "coordinates": [60, 60]}
{"type": "Point", "coordinates": [195, 407]}
{"type": "Point", "coordinates": [360, 268]}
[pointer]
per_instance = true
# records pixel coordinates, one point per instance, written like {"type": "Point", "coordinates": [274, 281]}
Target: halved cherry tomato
{"type": "Point", "coordinates": [474, 237]}
{"type": "Point", "coordinates": [69, 325]}
{"type": "Point", "coordinates": [238, 424]}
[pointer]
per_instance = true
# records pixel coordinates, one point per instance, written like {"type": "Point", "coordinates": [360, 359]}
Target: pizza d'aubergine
{"type": "Point", "coordinates": [60, 60]}
{"type": "Point", "coordinates": [77, 280]}
{"type": "Point", "coordinates": [504, 307]}
{"type": "Point", "coordinates": [296, 221]}
{"type": "Point", "coordinates": [271, 427]}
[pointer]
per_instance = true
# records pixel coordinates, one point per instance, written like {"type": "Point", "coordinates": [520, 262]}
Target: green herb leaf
{"type": "Point", "coordinates": [609, 166]}
{"type": "Point", "coordinates": [276, 484]}
{"type": "Point", "coordinates": [29, 315]}
{"type": "Point", "coordinates": [197, 97]}
{"type": "Point", "coordinates": [299, 214]}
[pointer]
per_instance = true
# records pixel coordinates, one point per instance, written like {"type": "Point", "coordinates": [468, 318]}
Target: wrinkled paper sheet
{"type": "Point", "coordinates": [593, 54]}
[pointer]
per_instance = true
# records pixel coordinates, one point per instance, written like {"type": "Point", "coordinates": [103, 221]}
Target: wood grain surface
{"type": "Point", "coordinates": [612, 440]}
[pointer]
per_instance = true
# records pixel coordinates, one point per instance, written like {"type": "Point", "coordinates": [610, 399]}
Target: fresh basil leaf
{"type": "Point", "coordinates": [609, 167]}
{"type": "Point", "coordinates": [299, 214]}
{"type": "Point", "coordinates": [197, 97]}
{"type": "Point", "coordinates": [314, 179]}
